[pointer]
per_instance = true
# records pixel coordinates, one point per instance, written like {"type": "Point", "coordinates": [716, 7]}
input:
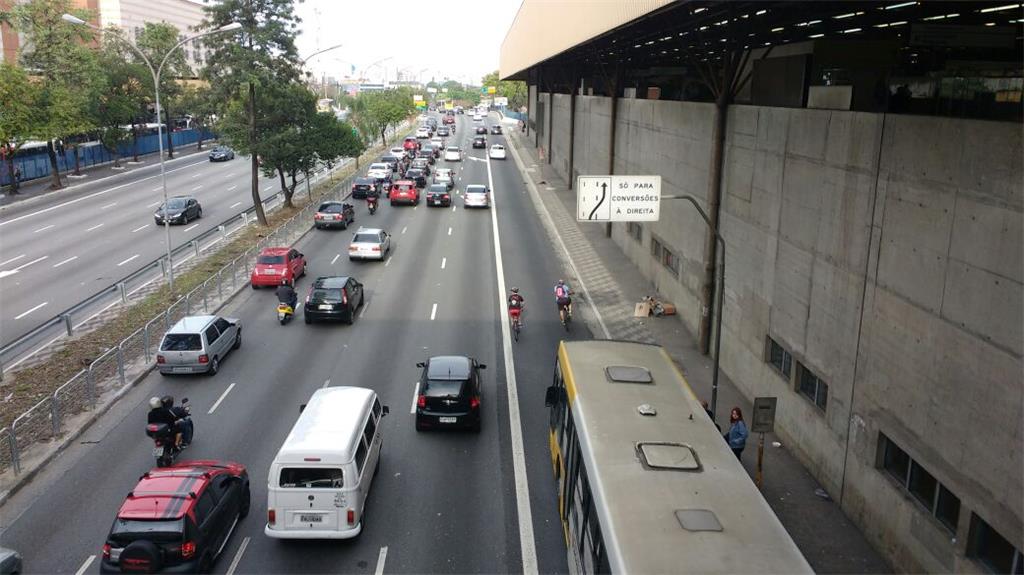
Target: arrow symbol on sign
{"type": "Point", "coordinates": [604, 193]}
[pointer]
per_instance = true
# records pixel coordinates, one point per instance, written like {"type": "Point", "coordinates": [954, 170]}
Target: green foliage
{"type": "Point", "coordinates": [515, 91]}
{"type": "Point", "coordinates": [198, 101]}
{"type": "Point", "coordinates": [19, 114]}
{"type": "Point", "coordinates": [116, 107]}
{"type": "Point", "coordinates": [464, 96]}
{"type": "Point", "coordinates": [375, 112]}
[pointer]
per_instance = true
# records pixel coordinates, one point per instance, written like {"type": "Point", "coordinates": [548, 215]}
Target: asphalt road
{"type": "Point", "coordinates": [57, 252]}
{"type": "Point", "coordinates": [443, 502]}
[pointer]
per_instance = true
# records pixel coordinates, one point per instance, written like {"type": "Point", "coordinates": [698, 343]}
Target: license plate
{"type": "Point", "coordinates": [311, 518]}
{"type": "Point", "coordinates": [269, 272]}
{"type": "Point", "coordinates": [325, 306]}
{"type": "Point", "coordinates": [158, 451]}
{"type": "Point", "coordinates": [181, 370]}
{"type": "Point", "coordinates": [447, 419]}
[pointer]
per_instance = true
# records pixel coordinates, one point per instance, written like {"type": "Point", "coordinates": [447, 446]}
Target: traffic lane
{"type": "Point", "coordinates": [112, 466]}
{"type": "Point", "coordinates": [532, 263]}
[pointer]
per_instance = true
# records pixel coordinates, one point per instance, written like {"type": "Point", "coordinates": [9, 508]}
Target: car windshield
{"type": "Point", "coordinates": [499, 148]}
{"type": "Point", "coordinates": [182, 342]}
{"type": "Point", "coordinates": [366, 239]}
{"type": "Point", "coordinates": [440, 188]}
{"type": "Point", "coordinates": [443, 388]}
{"type": "Point", "coordinates": [312, 477]}
{"type": "Point", "coordinates": [125, 531]}
{"type": "Point", "coordinates": [475, 189]}
{"type": "Point", "coordinates": [324, 294]}
{"type": "Point", "coordinates": [270, 260]}
{"type": "Point", "coordinates": [330, 209]}
{"type": "Point", "coordinates": [177, 203]}
{"type": "Point", "coordinates": [220, 149]}
{"type": "Point", "coordinates": [414, 173]}
{"type": "Point", "coordinates": [379, 167]}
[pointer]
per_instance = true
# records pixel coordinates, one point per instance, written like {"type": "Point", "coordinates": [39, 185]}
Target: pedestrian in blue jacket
{"type": "Point", "coordinates": [736, 437]}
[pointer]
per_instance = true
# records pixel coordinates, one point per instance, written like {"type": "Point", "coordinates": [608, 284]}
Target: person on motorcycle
{"type": "Point", "coordinates": [158, 413]}
{"type": "Point", "coordinates": [515, 303]}
{"type": "Point", "coordinates": [286, 294]}
{"type": "Point", "coordinates": [183, 422]}
{"type": "Point", "coordinates": [563, 298]}
{"type": "Point", "coordinates": [371, 198]}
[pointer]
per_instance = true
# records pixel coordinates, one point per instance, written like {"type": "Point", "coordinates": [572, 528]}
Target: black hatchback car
{"type": "Point", "coordinates": [333, 298]}
{"type": "Point", "coordinates": [496, 129]}
{"type": "Point", "coordinates": [481, 130]}
{"type": "Point", "coordinates": [438, 195]}
{"type": "Point", "coordinates": [362, 187]}
{"type": "Point", "coordinates": [417, 175]}
{"type": "Point", "coordinates": [479, 142]}
{"type": "Point", "coordinates": [179, 210]}
{"type": "Point", "coordinates": [450, 393]}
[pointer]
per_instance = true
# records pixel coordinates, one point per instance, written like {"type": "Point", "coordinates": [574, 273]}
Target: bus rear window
{"type": "Point", "coordinates": [306, 477]}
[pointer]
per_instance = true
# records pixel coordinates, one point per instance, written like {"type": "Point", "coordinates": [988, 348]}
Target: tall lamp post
{"type": "Point", "coordinates": [159, 122]}
{"type": "Point", "coordinates": [317, 53]}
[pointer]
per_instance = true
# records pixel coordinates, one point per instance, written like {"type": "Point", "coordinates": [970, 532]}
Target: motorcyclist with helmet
{"type": "Point", "coordinates": [163, 411]}
{"type": "Point", "coordinates": [286, 294]}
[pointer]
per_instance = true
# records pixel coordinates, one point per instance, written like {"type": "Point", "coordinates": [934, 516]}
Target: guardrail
{"type": "Point", "coordinates": [133, 287]}
{"type": "Point", "coordinates": [111, 372]}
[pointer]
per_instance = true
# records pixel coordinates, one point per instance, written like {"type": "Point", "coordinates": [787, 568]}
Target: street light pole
{"type": "Point", "coordinates": [718, 299]}
{"type": "Point", "coordinates": [159, 118]}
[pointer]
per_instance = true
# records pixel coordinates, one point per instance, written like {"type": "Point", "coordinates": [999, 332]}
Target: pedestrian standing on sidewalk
{"type": "Point", "coordinates": [736, 437]}
{"type": "Point", "coordinates": [704, 404]}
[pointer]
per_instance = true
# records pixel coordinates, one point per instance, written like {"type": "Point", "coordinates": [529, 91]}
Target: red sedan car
{"type": "Point", "coordinates": [276, 264]}
{"type": "Point", "coordinates": [404, 191]}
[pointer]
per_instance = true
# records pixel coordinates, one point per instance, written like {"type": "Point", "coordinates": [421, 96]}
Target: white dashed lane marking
{"type": "Point", "coordinates": [43, 229]}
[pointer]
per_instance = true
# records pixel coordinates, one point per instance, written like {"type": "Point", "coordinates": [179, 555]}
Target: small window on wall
{"type": "Point", "coordinates": [635, 231]}
{"type": "Point", "coordinates": [779, 358]}
{"type": "Point", "coordinates": [656, 248]}
{"type": "Point", "coordinates": [919, 482]}
{"type": "Point", "coordinates": [812, 387]}
{"type": "Point", "coordinates": [988, 546]}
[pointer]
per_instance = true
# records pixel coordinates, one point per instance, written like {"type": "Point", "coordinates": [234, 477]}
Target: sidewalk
{"type": "Point", "coordinates": [29, 191]}
{"type": "Point", "coordinates": [828, 539]}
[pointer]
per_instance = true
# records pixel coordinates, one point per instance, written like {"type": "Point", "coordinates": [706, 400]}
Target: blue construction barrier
{"type": "Point", "coordinates": [35, 164]}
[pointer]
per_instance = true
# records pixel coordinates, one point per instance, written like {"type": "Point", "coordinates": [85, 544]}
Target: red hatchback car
{"type": "Point", "coordinates": [276, 264]}
{"type": "Point", "coordinates": [411, 144]}
{"type": "Point", "coordinates": [404, 191]}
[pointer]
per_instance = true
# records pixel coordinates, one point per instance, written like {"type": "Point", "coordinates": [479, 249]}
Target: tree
{"type": "Point", "coordinates": [18, 117]}
{"type": "Point", "coordinates": [198, 101]}
{"type": "Point", "coordinates": [156, 41]}
{"type": "Point", "coordinates": [387, 109]}
{"type": "Point", "coordinates": [59, 52]}
{"type": "Point", "coordinates": [116, 106]}
{"type": "Point", "coordinates": [514, 90]}
{"type": "Point", "coordinates": [240, 68]}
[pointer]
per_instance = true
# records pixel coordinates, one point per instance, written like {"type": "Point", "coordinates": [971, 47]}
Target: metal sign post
{"type": "Point", "coordinates": [762, 422]}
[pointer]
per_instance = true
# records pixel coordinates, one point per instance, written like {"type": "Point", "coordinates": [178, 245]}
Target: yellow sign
{"type": "Point", "coordinates": [491, 89]}
{"type": "Point", "coordinates": [449, 105]}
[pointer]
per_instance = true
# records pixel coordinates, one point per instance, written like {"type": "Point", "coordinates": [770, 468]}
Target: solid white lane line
{"type": "Point", "coordinates": [232, 187]}
{"type": "Point", "coordinates": [433, 312]}
{"type": "Point", "coordinates": [190, 228]}
{"type": "Point", "coordinates": [94, 227]}
{"type": "Point", "coordinates": [326, 383]}
{"type": "Point", "coordinates": [234, 204]}
{"type": "Point", "coordinates": [154, 204]}
{"type": "Point", "coordinates": [197, 187]}
{"type": "Point", "coordinates": [405, 228]}
{"type": "Point", "coordinates": [85, 566]}
{"type": "Point", "coordinates": [43, 229]}
{"type": "Point", "coordinates": [140, 228]}
{"type": "Point", "coordinates": [527, 546]}
{"type": "Point", "coordinates": [220, 399]}
{"type": "Point", "coordinates": [72, 258]}
{"type": "Point", "coordinates": [366, 306]}
{"type": "Point", "coordinates": [443, 261]}
{"type": "Point", "coordinates": [449, 231]}
{"type": "Point", "coordinates": [14, 259]}
{"type": "Point", "coordinates": [387, 262]}
{"type": "Point", "coordinates": [335, 259]}
{"type": "Point", "coordinates": [108, 206]}
{"type": "Point", "coordinates": [23, 314]}
{"type": "Point", "coordinates": [380, 560]}
{"type": "Point", "coordinates": [238, 556]}
{"type": "Point", "coordinates": [128, 260]}
{"type": "Point", "coordinates": [196, 175]}
{"type": "Point", "coordinates": [415, 396]}
{"type": "Point", "coordinates": [23, 266]}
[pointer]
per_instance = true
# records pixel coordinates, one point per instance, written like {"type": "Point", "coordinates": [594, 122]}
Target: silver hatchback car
{"type": "Point", "coordinates": [198, 344]}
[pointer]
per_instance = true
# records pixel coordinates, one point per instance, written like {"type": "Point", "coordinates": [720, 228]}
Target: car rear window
{"type": "Point", "coordinates": [365, 239]}
{"type": "Point", "coordinates": [330, 209]}
{"type": "Point", "coordinates": [475, 190]}
{"type": "Point", "coordinates": [182, 342]}
{"type": "Point", "coordinates": [325, 294]}
{"type": "Point", "coordinates": [361, 187]}
{"type": "Point", "coordinates": [127, 530]}
{"type": "Point", "coordinates": [312, 477]}
{"type": "Point", "coordinates": [270, 260]}
{"type": "Point", "coordinates": [443, 388]}
{"type": "Point", "coordinates": [453, 148]}
{"type": "Point", "coordinates": [439, 188]}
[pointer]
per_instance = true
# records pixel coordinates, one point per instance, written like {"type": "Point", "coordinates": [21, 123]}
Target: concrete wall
{"type": "Point", "coordinates": [884, 252]}
{"type": "Point", "coordinates": [560, 134]}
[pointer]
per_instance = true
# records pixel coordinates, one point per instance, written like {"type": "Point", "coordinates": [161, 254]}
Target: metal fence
{"type": "Point", "coordinates": [110, 372]}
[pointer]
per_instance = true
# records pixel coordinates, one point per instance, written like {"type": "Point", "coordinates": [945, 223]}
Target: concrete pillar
{"type": "Point", "coordinates": [577, 87]}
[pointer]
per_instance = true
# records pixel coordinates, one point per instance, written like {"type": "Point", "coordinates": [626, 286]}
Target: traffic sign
{"type": "Point", "coordinates": [491, 89]}
{"type": "Point", "coordinates": [618, 198]}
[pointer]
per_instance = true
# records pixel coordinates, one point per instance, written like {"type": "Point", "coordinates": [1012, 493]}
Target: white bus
{"type": "Point", "coordinates": [646, 482]}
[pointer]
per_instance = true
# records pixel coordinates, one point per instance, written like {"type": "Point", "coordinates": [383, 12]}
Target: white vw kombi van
{"type": "Point", "coordinates": [321, 476]}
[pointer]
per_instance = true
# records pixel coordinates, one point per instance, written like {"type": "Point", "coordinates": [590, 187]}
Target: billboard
{"type": "Point", "coordinates": [417, 97]}
{"type": "Point", "coordinates": [500, 101]}
{"type": "Point", "coordinates": [431, 90]}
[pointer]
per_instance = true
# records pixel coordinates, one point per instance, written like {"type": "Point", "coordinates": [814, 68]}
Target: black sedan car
{"type": "Point", "coordinates": [496, 129]}
{"type": "Point", "coordinates": [438, 195]}
{"type": "Point", "coordinates": [179, 210]}
{"type": "Point", "coordinates": [450, 391]}
{"type": "Point", "coordinates": [333, 298]}
{"type": "Point", "coordinates": [222, 154]}
{"type": "Point", "coordinates": [417, 175]}
{"type": "Point", "coordinates": [362, 187]}
{"type": "Point", "coordinates": [479, 142]}
{"type": "Point", "coordinates": [481, 129]}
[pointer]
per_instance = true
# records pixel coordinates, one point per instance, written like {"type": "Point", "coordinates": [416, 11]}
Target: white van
{"type": "Point", "coordinates": [321, 476]}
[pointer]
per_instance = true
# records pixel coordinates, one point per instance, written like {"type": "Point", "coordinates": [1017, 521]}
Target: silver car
{"type": "Point", "coordinates": [445, 176]}
{"type": "Point", "coordinates": [369, 244]}
{"type": "Point", "coordinates": [476, 196]}
{"type": "Point", "coordinates": [10, 561]}
{"type": "Point", "coordinates": [198, 344]}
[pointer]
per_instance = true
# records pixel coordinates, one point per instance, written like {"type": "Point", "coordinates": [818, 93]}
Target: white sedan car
{"type": "Point", "coordinates": [452, 154]}
{"type": "Point", "coordinates": [422, 133]}
{"type": "Point", "coordinates": [398, 151]}
{"type": "Point", "coordinates": [379, 171]}
{"type": "Point", "coordinates": [476, 196]}
{"type": "Point", "coordinates": [437, 142]}
{"type": "Point", "coordinates": [497, 152]}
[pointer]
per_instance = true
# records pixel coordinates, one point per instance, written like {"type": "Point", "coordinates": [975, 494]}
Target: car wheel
{"type": "Point", "coordinates": [303, 274]}
{"type": "Point", "coordinates": [476, 426]}
{"type": "Point", "coordinates": [205, 564]}
{"type": "Point", "coordinates": [243, 510]}
{"type": "Point", "coordinates": [238, 341]}
{"type": "Point", "coordinates": [351, 317]}
{"type": "Point", "coordinates": [254, 286]}
{"type": "Point", "coordinates": [420, 426]}
{"type": "Point", "coordinates": [214, 366]}
{"type": "Point", "coordinates": [307, 320]}
{"type": "Point", "coordinates": [199, 213]}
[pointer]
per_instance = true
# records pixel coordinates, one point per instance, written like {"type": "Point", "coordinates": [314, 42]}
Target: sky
{"type": "Point", "coordinates": [453, 39]}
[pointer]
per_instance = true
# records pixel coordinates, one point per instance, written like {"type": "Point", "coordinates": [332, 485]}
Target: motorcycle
{"type": "Point", "coordinates": [284, 312]}
{"type": "Point", "coordinates": [165, 447]}
{"type": "Point", "coordinates": [371, 204]}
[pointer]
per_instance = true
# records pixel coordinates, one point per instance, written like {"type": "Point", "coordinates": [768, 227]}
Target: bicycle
{"type": "Point", "coordinates": [515, 323]}
{"type": "Point", "coordinates": [565, 314]}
